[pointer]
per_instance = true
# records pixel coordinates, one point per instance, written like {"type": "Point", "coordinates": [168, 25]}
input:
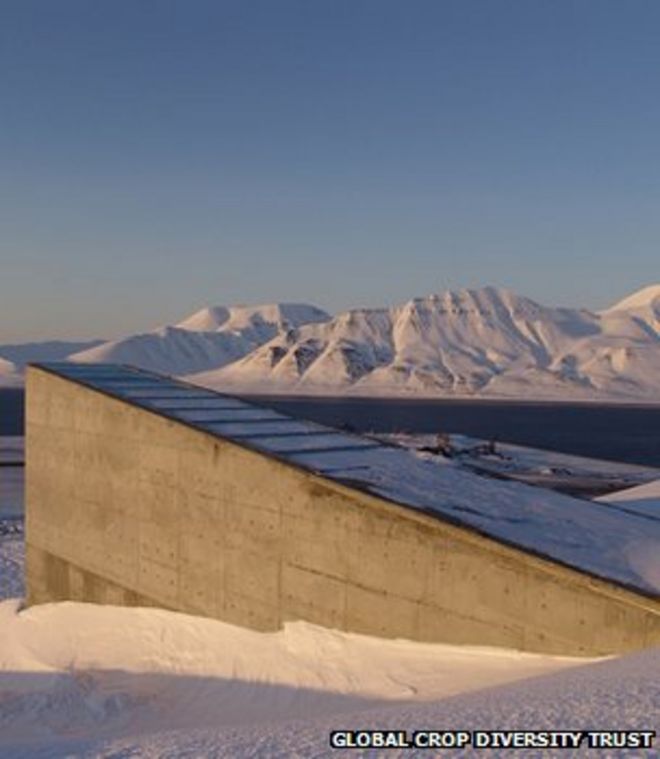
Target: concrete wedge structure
{"type": "Point", "coordinates": [143, 490]}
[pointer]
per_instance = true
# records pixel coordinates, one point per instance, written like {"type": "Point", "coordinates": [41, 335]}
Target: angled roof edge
{"type": "Point", "coordinates": [116, 380]}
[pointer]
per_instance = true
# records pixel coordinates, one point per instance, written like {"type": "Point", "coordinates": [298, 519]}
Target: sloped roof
{"type": "Point", "coordinates": [591, 537]}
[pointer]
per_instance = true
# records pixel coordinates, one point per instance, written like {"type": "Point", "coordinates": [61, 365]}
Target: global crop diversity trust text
{"type": "Point", "coordinates": [488, 739]}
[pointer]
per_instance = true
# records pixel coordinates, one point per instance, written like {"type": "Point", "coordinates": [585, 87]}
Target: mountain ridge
{"type": "Point", "coordinates": [648, 296]}
{"type": "Point", "coordinates": [488, 342]}
{"type": "Point", "coordinates": [207, 339]}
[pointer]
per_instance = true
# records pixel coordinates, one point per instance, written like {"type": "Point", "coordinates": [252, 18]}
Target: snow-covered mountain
{"type": "Point", "coordinates": [647, 298]}
{"type": "Point", "coordinates": [52, 350]}
{"type": "Point", "coordinates": [488, 342]}
{"type": "Point", "coordinates": [642, 307]}
{"type": "Point", "coordinates": [256, 322]}
{"type": "Point", "coordinates": [14, 358]}
{"type": "Point", "coordinates": [207, 339]}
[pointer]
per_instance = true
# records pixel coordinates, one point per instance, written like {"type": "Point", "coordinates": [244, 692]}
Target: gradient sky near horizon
{"type": "Point", "coordinates": [157, 156]}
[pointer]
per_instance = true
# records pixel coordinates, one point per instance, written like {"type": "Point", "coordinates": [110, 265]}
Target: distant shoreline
{"type": "Point", "coordinates": [260, 396]}
{"type": "Point", "coordinates": [445, 399]}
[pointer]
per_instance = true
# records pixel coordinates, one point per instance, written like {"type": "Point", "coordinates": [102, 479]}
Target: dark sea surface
{"type": "Point", "coordinates": [620, 433]}
{"type": "Point", "coordinates": [11, 411]}
{"type": "Point", "coordinates": [616, 432]}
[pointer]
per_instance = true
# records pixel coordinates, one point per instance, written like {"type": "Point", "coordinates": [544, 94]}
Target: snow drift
{"type": "Point", "coordinates": [97, 672]}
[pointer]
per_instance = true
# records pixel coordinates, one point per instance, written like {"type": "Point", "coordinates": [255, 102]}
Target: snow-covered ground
{"type": "Point", "coordinates": [80, 674]}
{"type": "Point", "coordinates": [12, 560]}
{"type": "Point", "coordinates": [87, 681]}
{"type": "Point", "coordinates": [11, 477]}
{"type": "Point", "coordinates": [617, 694]}
{"type": "Point", "coordinates": [11, 521]}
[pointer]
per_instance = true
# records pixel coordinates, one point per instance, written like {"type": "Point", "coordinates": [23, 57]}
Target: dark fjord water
{"type": "Point", "coordinates": [619, 433]}
{"type": "Point", "coordinates": [11, 411]}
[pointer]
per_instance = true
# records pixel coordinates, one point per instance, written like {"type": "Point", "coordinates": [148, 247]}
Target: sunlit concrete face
{"type": "Point", "coordinates": [128, 506]}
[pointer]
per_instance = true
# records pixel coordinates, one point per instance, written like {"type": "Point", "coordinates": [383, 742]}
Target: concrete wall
{"type": "Point", "coordinates": [127, 507]}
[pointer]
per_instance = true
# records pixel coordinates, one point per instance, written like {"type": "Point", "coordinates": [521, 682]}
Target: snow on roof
{"type": "Point", "coordinates": [642, 499]}
{"type": "Point", "coordinates": [621, 546]}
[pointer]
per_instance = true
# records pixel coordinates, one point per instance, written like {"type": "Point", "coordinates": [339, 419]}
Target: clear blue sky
{"type": "Point", "coordinates": [157, 156]}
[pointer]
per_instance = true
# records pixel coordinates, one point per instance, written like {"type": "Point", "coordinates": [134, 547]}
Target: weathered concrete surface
{"type": "Point", "coordinates": [127, 507]}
